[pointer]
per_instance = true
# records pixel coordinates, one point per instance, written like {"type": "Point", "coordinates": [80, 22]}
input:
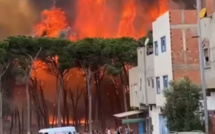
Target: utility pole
{"type": "Point", "coordinates": [202, 66]}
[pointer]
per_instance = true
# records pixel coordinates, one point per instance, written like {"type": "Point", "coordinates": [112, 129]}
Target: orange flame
{"type": "Point", "coordinates": [51, 122]}
{"type": "Point", "coordinates": [103, 18]}
{"type": "Point", "coordinates": [54, 20]}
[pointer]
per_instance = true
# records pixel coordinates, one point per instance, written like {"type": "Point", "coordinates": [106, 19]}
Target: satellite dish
{"type": "Point", "coordinates": [203, 13]}
{"type": "Point", "coordinates": [146, 42]}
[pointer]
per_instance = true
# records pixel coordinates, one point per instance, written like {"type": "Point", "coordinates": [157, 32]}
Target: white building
{"type": "Point", "coordinates": [208, 33]}
{"type": "Point", "coordinates": [175, 56]}
{"type": "Point", "coordinates": [141, 77]}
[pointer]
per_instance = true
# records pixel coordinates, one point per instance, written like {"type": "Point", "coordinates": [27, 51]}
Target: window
{"type": "Point", "coordinates": [158, 85]}
{"type": "Point", "coordinates": [148, 79]}
{"type": "Point", "coordinates": [152, 82]}
{"type": "Point", "coordinates": [135, 88]}
{"type": "Point", "coordinates": [206, 57]}
{"type": "Point", "coordinates": [165, 81]}
{"type": "Point", "coordinates": [163, 44]}
{"type": "Point", "coordinates": [140, 84]}
{"type": "Point", "coordinates": [156, 47]}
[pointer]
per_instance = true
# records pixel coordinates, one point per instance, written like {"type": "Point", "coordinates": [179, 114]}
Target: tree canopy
{"type": "Point", "coordinates": [183, 107]}
{"type": "Point", "coordinates": [93, 50]}
{"type": "Point", "coordinates": [60, 55]}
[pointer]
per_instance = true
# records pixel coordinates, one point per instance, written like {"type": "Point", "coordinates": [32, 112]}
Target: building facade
{"type": "Point", "coordinates": [141, 77]}
{"type": "Point", "coordinates": [175, 56]}
{"type": "Point", "coordinates": [208, 43]}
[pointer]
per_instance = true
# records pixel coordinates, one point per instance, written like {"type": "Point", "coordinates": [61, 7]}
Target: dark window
{"type": "Point", "coordinates": [158, 85]}
{"type": "Point", "coordinates": [206, 57]}
{"type": "Point", "coordinates": [140, 84]}
{"type": "Point", "coordinates": [152, 82]}
{"type": "Point", "coordinates": [165, 81]}
{"type": "Point", "coordinates": [148, 81]}
{"type": "Point", "coordinates": [163, 44]}
{"type": "Point", "coordinates": [156, 47]}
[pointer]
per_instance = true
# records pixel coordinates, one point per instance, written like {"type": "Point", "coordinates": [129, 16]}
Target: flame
{"type": "Point", "coordinates": [54, 20]}
{"type": "Point", "coordinates": [102, 18]}
{"type": "Point", "coordinates": [127, 19]}
{"type": "Point", "coordinates": [51, 122]}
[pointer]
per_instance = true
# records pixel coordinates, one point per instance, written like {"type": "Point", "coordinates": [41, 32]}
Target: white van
{"type": "Point", "coordinates": [58, 130]}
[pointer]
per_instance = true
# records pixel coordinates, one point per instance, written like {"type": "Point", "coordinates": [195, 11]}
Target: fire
{"type": "Point", "coordinates": [54, 122]}
{"type": "Point", "coordinates": [127, 19]}
{"type": "Point", "coordinates": [54, 20]}
{"type": "Point", "coordinates": [103, 18]}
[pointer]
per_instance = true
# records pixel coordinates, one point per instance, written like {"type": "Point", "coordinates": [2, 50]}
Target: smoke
{"type": "Point", "coordinates": [182, 4]}
{"type": "Point", "coordinates": [17, 17]}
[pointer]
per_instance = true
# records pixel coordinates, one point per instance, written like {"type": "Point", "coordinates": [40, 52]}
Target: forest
{"type": "Point", "coordinates": [95, 60]}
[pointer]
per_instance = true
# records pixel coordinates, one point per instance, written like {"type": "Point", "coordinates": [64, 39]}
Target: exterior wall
{"type": "Point", "coordinates": [210, 100]}
{"type": "Point", "coordinates": [184, 45]}
{"type": "Point", "coordinates": [142, 74]}
{"type": "Point", "coordinates": [151, 92]}
{"type": "Point", "coordinates": [133, 83]}
{"type": "Point", "coordinates": [154, 114]}
{"type": "Point", "coordinates": [162, 61]}
{"type": "Point", "coordinates": [208, 33]}
{"type": "Point", "coordinates": [181, 58]}
{"type": "Point", "coordinates": [145, 93]}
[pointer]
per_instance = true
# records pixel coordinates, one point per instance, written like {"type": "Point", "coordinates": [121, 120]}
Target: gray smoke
{"type": "Point", "coordinates": [184, 4]}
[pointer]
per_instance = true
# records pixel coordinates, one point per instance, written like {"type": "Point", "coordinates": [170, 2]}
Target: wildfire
{"type": "Point", "coordinates": [102, 18]}
{"type": "Point", "coordinates": [54, 20]}
{"type": "Point", "coordinates": [54, 122]}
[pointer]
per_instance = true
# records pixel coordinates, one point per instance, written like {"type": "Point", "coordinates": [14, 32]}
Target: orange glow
{"type": "Point", "coordinates": [54, 20]}
{"type": "Point", "coordinates": [103, 18]}
{"type": "Point", "coordinates": [51, 122]}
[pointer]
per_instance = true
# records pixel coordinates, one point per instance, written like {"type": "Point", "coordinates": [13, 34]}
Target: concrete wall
{"type": "Point", "coordinates": [162, 61]}
{"type": "Point", "coordinates": [154, 114]}
{"type": "Point", "coordinates": [142, 74]}
{"type": "Point", "coordinates": [151, 92]}
{"type": "Point", "coordinates": [138, 80]}
{"type": "Point", "coordinates": [211, 100]}
{"type": "Point", "coordinates": [208, 33]}
{"type": "Point", "coordinates": [134, 90]}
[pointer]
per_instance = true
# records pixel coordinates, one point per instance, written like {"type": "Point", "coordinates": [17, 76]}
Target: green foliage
{"type": "Point", "coordinates": [88, 53]}
{"type": "Point", "coordinates": [66, 57]}
{"type": "Point", "coordinates": [3, 52]}
{"type": "Point", "coordinates": [183, 106]}
{"type": "Point", "coordinates": [122, 51]}
{"type": "Point", "coordinates": [22, 45]}
{"type": "Point", "coordinates": [91, 53]}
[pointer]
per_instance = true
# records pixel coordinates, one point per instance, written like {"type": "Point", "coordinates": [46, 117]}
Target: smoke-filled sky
{"type": "Point", "coordinates": [17, 17]}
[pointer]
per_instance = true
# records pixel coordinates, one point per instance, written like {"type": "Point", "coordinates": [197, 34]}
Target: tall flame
{"type": "Point", "coordinates": [102, 18]}
{"type": "Point", "coordinates": [54, 20]}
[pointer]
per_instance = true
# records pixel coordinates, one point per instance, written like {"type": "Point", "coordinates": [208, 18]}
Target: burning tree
{"type": "Point", "coordinates": [25, 51]}
{"type": "Point", "coordinates": [4, 64]}
{"type": "Point", "coordinates": [92, 55]}
{"type": "Point", "coordinates": [123, 54]}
